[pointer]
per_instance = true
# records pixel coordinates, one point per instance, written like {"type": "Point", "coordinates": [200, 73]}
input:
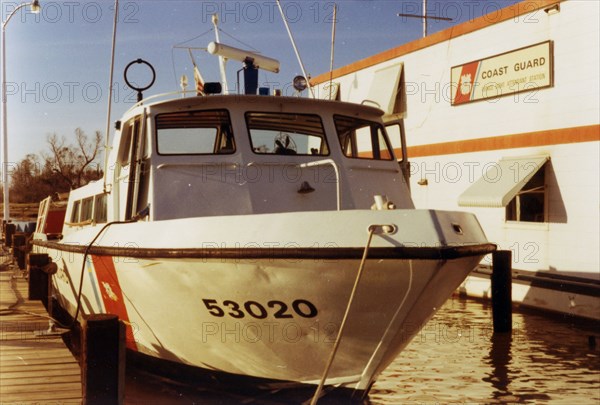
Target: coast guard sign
{"type": "Point", "coordinates": [524, 69]}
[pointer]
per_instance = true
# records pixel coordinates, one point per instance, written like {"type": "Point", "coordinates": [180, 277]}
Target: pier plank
{"type": "Point", "coordinates": [44, 374]}
{"type": "Point", "coordinates": [33, 368]}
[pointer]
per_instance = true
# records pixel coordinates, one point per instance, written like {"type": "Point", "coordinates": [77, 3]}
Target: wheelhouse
{"type": "Point", "coordinates": [241, 155]}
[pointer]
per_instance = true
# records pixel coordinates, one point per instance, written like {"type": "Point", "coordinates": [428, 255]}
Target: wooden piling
{"type": "Point", "coordinates": [9, 231]}
{"type": "Point", "coordinates": [19, 246]}
{"type": "Point", "coordinates": [38, 278]}
{"type": "Point", "coordinates": [502, 290]}
{"type": "Point", "coordinates": [103, 359]}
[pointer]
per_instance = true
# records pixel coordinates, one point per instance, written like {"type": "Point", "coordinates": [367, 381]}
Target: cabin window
{"type": "Point", "coordinates": [396, 137]}
{"type": "Point", "coordinates": [125, 146]}
{"type": "Point", "coordinates": [75, 212]}
{"type": "Point", "coordinates": [100, 209]}
{"type": "Point", "coordinates": [362, 139]}
{"type": "Point", "coordinates": [286, 134]}
{"type": "Point", "coordinates": [194, 133]}
{"type": "Point", "coordinates": [87, 206]}
{"type": "Point", "coordinates": [529, 203]}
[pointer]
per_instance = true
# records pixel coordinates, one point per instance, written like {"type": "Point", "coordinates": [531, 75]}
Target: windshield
{"type": "Point", "coordinates": [362, 139]}
{"type": "Point", "coordinates": [286, 134]}
{"type": "Point", "coordinates": [194, 133]}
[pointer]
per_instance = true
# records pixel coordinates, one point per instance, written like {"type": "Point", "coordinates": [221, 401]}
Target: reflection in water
{"type": "Point", "coordinates": [499, 360]}
{"type": "Point", "coordinates": [458, 358]}
{"type": "Point", "coordinates": [455, 358]}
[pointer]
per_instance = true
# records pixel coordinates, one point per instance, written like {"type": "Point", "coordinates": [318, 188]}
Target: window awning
{"type": "Point", "coordinates": [329, 91]}
{"type": "Point", "coordinates": [385, 86]}
{"type": "Point", "coordinates": [502, 181]}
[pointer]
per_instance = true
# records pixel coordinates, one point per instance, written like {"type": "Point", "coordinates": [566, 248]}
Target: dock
{"type": "Point", "coordinates": [34, 368]}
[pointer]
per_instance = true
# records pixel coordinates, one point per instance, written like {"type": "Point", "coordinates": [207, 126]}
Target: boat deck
{"type": "Point", "coordinates": [33, 368]}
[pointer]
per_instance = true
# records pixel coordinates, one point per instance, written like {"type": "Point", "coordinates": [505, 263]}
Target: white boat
{"type": "Point", "coordinates": [228, 234]}
{"type": "Point", "coordinates": [501, 118]}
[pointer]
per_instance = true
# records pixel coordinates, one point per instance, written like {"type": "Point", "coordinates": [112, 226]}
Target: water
{"type": "Point", "coordinates": [455, 359]}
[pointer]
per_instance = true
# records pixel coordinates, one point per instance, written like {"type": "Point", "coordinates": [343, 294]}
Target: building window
{"type": "Point", "coordinates": [529, 205]}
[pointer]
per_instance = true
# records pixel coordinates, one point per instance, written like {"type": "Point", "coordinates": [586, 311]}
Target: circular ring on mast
{"type": "Point", "coordinates": [139, 89]}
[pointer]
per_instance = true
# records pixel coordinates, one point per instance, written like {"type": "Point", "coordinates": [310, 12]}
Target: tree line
{"type": "Point", "coordinates": [61, 168]}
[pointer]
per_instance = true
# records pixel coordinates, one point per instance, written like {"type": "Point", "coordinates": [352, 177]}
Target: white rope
{"type": "Point", "coordinates": [338, 339]}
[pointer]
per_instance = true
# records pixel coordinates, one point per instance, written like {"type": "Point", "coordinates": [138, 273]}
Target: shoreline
{"type": "Point", "coordinates": [26, 212]}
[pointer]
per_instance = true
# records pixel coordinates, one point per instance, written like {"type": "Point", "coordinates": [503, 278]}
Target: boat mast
{"type": "Point", "coordinates": [222, 60]}
{"type": "Point", "coordinates": [110, 88]}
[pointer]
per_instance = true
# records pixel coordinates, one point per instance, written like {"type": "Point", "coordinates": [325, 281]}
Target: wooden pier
{"type": "Point", "coordinates": [34, 368]}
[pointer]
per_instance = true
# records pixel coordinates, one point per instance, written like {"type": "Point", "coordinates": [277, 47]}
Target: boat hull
{"type": "Point", "coordinates": [263, 312]}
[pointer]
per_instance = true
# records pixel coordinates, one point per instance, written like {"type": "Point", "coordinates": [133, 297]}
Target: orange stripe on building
{"type": "Point", "coordinates": [456, 31]}
{"type": "Point", "coordinates": [590, 133]}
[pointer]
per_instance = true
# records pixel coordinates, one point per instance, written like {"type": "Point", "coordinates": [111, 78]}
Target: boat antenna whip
{"type": "Point", "coordinates": [332, 48]}
{"type": "Point", "coordinates": [222, 60]}
{"type": "Point", "coordinates": [110, 88]}
{"type": "Point", "coordinates": [310, 89]}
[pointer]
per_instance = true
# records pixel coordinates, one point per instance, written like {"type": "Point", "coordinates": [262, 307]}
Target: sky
{"type": "Point", "coordinates": [58, 61]}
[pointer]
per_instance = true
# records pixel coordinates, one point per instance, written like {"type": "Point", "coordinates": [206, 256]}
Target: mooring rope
{"type": "Point", "coordinates": [338, 339]}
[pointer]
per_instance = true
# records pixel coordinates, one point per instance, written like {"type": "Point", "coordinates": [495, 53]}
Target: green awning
{"type": "Point", "coordinates": [502, 181]}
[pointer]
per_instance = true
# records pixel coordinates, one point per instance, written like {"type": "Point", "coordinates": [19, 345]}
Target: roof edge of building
{"type": "Point", "coordinates": [467, 27]}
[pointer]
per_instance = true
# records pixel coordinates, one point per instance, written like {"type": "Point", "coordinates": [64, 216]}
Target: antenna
{"type": "Point", "coordinates": [332, 48]}
{"type": "Point", "coordinates": [295, 48]}
{"type": "Point", "coordinates": [222, 59]}
{"type": "Point", "coordinates": [110, 87]}
{"type": "Point", "coordinates": [425, 17]}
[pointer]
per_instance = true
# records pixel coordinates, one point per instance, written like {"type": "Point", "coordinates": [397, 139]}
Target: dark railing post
{"type": "Point", "coordinates": [502, 290]}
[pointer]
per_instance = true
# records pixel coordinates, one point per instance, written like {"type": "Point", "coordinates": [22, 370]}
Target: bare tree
{"type": "Point", "coordinates": [73, 162]}
{"type": "Point", "coordinates": [24, 186]}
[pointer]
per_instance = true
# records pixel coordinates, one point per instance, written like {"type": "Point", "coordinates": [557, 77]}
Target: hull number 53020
{"type": "Point", "coordinates": [254, 309]}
